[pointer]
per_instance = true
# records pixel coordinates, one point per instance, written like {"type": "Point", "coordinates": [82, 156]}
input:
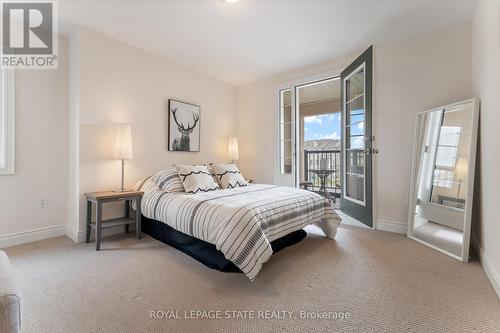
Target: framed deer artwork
{"type": "Point", "coordinates": [183, 126]}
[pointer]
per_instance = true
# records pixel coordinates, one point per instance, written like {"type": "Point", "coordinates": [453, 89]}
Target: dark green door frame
{"type": "Point", "coordinates": [357, 184]}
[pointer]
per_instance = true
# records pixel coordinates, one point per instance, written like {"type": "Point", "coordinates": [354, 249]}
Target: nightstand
{"type": "Point", "coordinates": [99, 198]}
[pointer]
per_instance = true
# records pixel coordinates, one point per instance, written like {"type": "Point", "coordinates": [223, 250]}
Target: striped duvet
{"type": "Point", "coordinates": [241, 222]}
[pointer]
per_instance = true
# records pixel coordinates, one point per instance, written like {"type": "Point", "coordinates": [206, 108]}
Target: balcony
{"type": "Point", "coordinates": [331, 161]}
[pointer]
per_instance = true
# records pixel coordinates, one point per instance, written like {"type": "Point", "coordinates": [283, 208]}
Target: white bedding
{"type": "Point", "coordinates": [241, 222]}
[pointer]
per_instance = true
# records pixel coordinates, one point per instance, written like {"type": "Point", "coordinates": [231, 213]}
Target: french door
{"type": "Point", "coordinates": [357, 139]}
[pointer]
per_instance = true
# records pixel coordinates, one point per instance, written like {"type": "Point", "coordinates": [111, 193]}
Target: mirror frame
{"type": "Point", "coordinates": [8, 112]}
{"type": "Point", "coordinates": [470, 179]}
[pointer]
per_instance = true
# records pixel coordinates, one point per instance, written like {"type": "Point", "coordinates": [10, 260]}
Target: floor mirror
{"type": "Point", "coordinates": [442, 183]}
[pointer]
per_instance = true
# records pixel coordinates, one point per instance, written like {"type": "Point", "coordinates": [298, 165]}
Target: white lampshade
{"type": "Point", "coordinates": [232, 148]}
{"type": "Point", "coordinates": [122, 149]}
{"type": "Point", "coordinates": [461, 169]}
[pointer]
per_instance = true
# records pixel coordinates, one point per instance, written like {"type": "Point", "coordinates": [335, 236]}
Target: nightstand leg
{"type": "Point", "coordinates": [98, 225]}
{"type": "Point", "coordinates": [138, 215]}
{"type": "Point", "coordinates": [89, 219]}
{"type": "Point", "coordinates": [127, 215]}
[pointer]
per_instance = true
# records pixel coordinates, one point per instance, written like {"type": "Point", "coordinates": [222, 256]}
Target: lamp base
{"type": "Point", "coordinates": [123, 180]}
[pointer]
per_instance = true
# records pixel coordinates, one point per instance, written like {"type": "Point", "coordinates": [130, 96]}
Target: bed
{"type": "Point", "coordinates": [242, 223]}
{"type": "Point", "coordinates": [204, 252]}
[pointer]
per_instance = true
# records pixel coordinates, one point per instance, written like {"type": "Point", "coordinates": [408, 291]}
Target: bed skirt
{"type": "Point", "coordinates": [205, 252]}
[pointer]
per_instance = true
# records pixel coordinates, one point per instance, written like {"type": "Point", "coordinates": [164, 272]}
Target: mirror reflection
{"type": "Point", "coordinates": [442, 160]}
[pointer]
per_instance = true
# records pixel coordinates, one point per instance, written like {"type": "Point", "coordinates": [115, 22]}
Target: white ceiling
{"type": "Point", "coordinates": [247, 41]}
{"type": "Point", "coordinates": [319, 92]}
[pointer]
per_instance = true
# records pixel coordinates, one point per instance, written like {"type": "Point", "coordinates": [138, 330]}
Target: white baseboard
{"type": "Point", "coordinates": [75, 235]}
{"type": "Point", "coordinates": [391, 226]}
{"type": "Point", "coordinates": [488, 267]}
{"type": "Point", "coordinates": [31, 236]}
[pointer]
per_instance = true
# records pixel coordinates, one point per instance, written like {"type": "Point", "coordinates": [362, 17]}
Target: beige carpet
{"type": "Point", "coordinates": [386, 282]}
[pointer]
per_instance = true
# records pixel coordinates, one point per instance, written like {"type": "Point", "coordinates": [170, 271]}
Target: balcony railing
{"type": "Point", "coordinates": [312, 161]}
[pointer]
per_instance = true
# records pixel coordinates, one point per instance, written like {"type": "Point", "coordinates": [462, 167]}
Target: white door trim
{"type": "Point", "coordinates": [293, 84]}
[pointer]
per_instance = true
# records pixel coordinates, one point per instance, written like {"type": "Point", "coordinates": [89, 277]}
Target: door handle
{"type": "Point", "coordinates": [371, 151]}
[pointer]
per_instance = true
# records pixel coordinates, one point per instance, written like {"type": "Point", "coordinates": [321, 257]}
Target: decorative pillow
{"type": "Point", "coordinates": [144, 185]}
{"type": "Point", "coordinates": [169, 181]}
{"type": "Point", "coordinates": [196, 178]}
{"type": "Point", "coordinates": [212, 172]}
{"type": "Point", "coordinates": [229, 175]}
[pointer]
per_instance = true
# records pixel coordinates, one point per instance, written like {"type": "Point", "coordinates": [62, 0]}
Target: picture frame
{"type": "Point", "coordinates": [183, 126]}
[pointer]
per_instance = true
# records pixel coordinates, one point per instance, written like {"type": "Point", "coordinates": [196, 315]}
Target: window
{"type": "Point", "coordinates": [7, 122]}
{"type": "Point", "coordinates": [446, 156]}
{"type": "Point", "coordinates": [286, 144]}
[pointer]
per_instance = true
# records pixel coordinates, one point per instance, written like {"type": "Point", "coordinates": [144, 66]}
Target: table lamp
{"type": "Point", "coordinates": [232, 149]}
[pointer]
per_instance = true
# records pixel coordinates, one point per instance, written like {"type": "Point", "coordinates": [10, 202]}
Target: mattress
{"type": "Point", "coordinates": [242, 222]}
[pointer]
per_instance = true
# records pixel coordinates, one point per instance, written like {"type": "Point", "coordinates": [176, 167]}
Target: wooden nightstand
{"type": "Point", "coordinates": [103, 197]}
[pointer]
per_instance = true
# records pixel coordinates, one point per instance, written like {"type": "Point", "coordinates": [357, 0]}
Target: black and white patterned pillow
{"type": "Point", "coordinates": [229, 175]}
{"type": "Point", "coordinates": [196, 178]}
{"type": "Point", "coordinates": [168, 180]}
{"type": "Point", "coordinates": [144, 185]}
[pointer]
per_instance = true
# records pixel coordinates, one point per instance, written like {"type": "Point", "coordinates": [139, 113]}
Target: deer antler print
{"type": "Point", "coordinates": [196, 117]}
{"type": "Point", "coordinates": [189, 129]}
{"type": "Point", "coordinates": [174, 111]}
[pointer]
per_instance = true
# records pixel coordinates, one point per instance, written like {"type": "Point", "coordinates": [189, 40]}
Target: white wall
{"type": "Point", "coordinates": [486, 85]}
{"type": "Point", "coordinates": [41, 156]}
{"type": "Point", "coordinates": [410, 76]}
{"type": "Point", "coordinates": [118, 83]}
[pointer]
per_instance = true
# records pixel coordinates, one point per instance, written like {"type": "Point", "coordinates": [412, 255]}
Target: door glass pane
{"type": "Point", "coordinates": [286, 131]}
{"type": "Point", "coordinates": [357, 142]}
{"type": "Point", "coordinates": [286, 165]}
{"type": "Point", "coordinates": [355, 187]}
{"type": "Point", "coordinates": [354, 105]}
{"type": "Point", "coordinates": [357, 124]}
{"type": "Point", "coordinates": [355, 161]}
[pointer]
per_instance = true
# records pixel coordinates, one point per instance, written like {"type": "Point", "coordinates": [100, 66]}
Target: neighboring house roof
{"type": "Point", "coordinates": [325, 144]}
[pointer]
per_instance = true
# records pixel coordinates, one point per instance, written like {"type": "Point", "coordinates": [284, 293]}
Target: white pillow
{"type": "Point", "coordinates": [229, 175]}
{"type": "Point", "coordinates": [196, 178]}
{"type": "Point", "coordinates": [211, 170]}
{"type": "Point", "coordinates": [168, 180]}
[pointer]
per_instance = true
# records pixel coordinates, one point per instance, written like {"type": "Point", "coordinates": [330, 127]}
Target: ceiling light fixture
{"type": "Point", "coordinates": [231, 1]}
